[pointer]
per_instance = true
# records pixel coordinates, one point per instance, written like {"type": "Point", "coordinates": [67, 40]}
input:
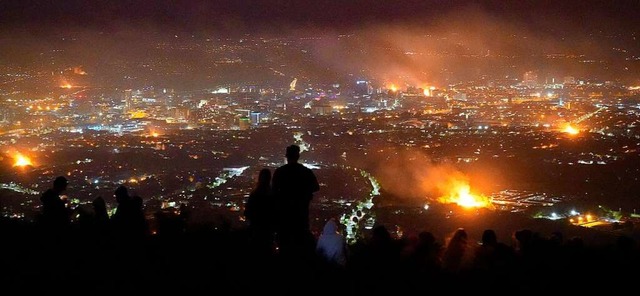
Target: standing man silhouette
{"type": "Point", "coordinates": [55, 214]}
{"type": "Point", "coordinates": [293, 186]}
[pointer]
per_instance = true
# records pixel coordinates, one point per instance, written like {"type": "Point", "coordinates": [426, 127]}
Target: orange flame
{"type": "Point", "coordinates": [21, 160]}
{"type": "Point", "coordinates": [461, 194]}
{"type": "Point", "coordinates": [79, 71]}
{"type": "Point", "coordinates": [571, 130]}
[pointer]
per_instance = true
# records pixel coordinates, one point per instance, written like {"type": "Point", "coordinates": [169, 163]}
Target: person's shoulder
{"type": "Point", "coordinates": [302, 167]}
{"type": "Point", "coordinates": [281, 168]}
{"type": "Point", "coordinates": [306, 169]}
{"type": "Point", "coordinates": [48, 193]}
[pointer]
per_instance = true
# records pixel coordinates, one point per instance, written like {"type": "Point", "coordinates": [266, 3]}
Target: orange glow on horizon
{"type": "Point", "coordinates": [66, 85]}
{"type": "Point", "coordinates": [461, 195]}
{"type": "Point", "coordinates": [570, 130]}
{"type": "Point", "coordinates": [21, 160]}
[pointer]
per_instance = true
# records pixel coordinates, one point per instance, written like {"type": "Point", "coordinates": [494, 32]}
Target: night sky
{"type": "Point", "coordinates": [270, 16]}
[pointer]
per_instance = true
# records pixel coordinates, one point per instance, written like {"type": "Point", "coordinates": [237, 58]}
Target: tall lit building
{"type": "Point", "coordinates": [255, 117]}
{"type": "Point", "coordinates": [4, 116]}
{"type": "Point", "coordinates": [128, 99]}
{"type": "Point", "coordinates": [363, 87]}
{"type": "Point", "coordinates": [169, 97]}
{"type": "Point", "coordinates": [530, 79]}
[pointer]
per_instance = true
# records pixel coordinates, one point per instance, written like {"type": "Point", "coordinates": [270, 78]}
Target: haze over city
{"type": "Point", "coordinates": [528, 107]}
{"type": "Point", "coordinates": [480, 145]}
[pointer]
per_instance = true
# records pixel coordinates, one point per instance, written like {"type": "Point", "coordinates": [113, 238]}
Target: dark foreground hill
{"type": "Point", "coordinates": [87, 260]}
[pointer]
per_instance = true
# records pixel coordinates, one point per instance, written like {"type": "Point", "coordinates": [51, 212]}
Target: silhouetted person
{"type": "Point", "coordinates": [380, 262]}
{"type": "Point", "coordinates": [124, 209]}
{"type": "Point", "coordinates": [185, 215]}
{"type": "Point", "coordinates": [332, 245]}
{"type": "Point", "coordinates": [331, 250]}
{"type": "Point", "coordinates": [55, 214]}
{"type": "Point", "coordinates": [293, 187]}
{"type": "Point", "coordinates": [456, 252]}
{"type": "Point", "coordinates": [523, 241]}
{"type": "Point", "coordinates": [491, 255]}
{"type": "Point", "coordinates": [259, 212]}
{"type": "Point", "coordinates": [128, 221]}
{"type": "Point", "coordinates": [55, 223]}
{"type": "Point", "coordinates": [100, 210]}
{"type": "Point", "coordinates": [421, 255]}
{"type": "Point", "coordinates": [140, 225]}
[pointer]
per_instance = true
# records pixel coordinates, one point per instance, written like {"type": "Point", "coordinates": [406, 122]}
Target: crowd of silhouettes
{"type": "Point", "coordinates": [277, 252]}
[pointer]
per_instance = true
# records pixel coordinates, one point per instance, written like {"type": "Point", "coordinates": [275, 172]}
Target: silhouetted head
{"type": "Point", "coordinates": [556, 238]}
{"type": "Point", "coordinates": [524, 236]}
{"type": "Point", "coordinates": [380, 234]}
{"type": "Point", "coordinates": [293, 153]}
{"type": "Point", "coordinates": [459, 237]}
{"type": "Point", "coordinates": [99, 203]}
{"type": "Point", "coordinates": [489, 237]}
{"type": "Point", "coordinates": [264, 177]}
{"type": "Point", "coordinates": [426, 238]}
{"type": "Point", "coordinates": [330, 227]}
{"type": "Point", "coordinates": [460, 234]}
{"type": "Point", "coordinates": [121, 193]}
{"type": "Point", "coordinates": [60, 184]}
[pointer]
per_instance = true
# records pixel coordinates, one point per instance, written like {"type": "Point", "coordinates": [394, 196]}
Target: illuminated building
{"type": "Point", "coordinates": [5, 116]}
{"type": "Point", "coordinates": [321, 107]}
{"type": "Point", "coordinates": [569, 80]}
{"type": "Point", "coordinates": [181, 113]}
{"type": "Point", "coordinates": [363, 87]}
{"type": "Point", "coordinates": [244, 123]}
{"type": "Point", "coordinates": [255, 117]}
{"type": "Point", "coordinates": [460, 97]}
{"type": "Point", "coordinates": [530, 79]}
{"type": "Point", "coordinates": [128, 99]}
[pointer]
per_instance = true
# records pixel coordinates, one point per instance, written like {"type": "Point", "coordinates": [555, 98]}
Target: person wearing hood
{"type": "Point", "coordinates": [331, 245]}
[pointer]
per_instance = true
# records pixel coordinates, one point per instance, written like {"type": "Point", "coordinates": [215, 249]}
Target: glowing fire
{"type": "Point", "coordinates": [66, 85]}
{"type": "Point", "coordinates": [21, 160]}
{"type": "Point", "coordinates": [428, 90]}
{"type": "Point", "coordinates": [461, 194]}
{"type": "Point", "coordinates": [393, 88]}
{"type": "Point", "coordinates": [79, 71]}
{"type": "Point", "coordinates": [571, 130]}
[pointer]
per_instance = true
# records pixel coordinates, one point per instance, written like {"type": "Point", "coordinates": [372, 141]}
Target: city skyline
{"type": "Point", "coordinates": [496, 101]}
{"type": "Point", "coordinates": [493, 143]}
